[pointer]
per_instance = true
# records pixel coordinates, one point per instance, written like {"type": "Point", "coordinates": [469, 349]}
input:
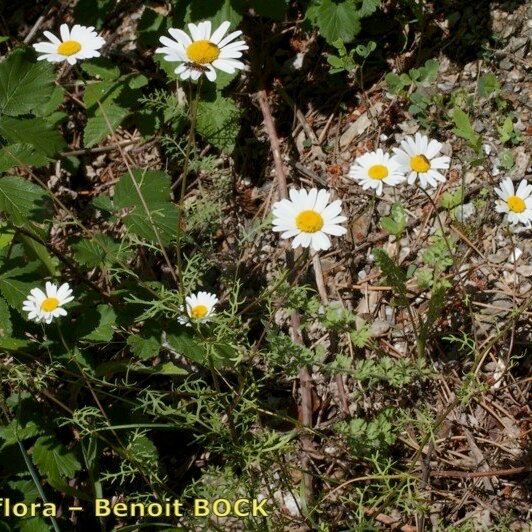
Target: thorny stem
{"type": "Point", "coordinates": [305, 382]}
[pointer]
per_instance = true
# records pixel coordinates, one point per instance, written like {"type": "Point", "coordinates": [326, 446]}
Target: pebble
{"type": "Point", "coordinates": [379, 327]}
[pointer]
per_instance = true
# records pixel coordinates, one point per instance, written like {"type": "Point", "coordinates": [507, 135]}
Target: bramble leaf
{"type": "Point", "coordinates": [161, 216]}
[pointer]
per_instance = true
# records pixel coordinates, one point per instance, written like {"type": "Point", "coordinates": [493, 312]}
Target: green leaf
{"type": "Point", "coordinates": [102, 68]}
{"type": "Point", "coordinates": [93, 12]}
{"type": "Point", "coordinates": [451, 199]}
{"type": "Point", "coordinates": [6, 235]}
{"type": "Point", "coordinates": [35, 250]}
{"type": "Point", "coordinates": [50, 106]}
{"type": "Point", "coordinates": [5, 319]}
{"type": "Point", "coordinates": [273, 9]}
{"type": "Point", "coordinates": [395, 275]}
{"type": "Point", "coordinates": [488, 84]}
{"type": "Point", "coordinates": [216, 11]}
{"type": "Point", "coordinates": [151, 26]}
{"type": "Point", "coordinates": [53, 460]}
{"type": "Point", "coordinates": [105, 329]}
{"type": "Point", "coordinates": [104, 122]}
{"type": "Point", "coordinates": [34, 524]}
{"type": "Point", "coordinates": [507, 160]}
{"type": "Point", "coordinates": [218, 122]}
{"type": "Point", "coordinates": [161, 215]}
{"type": "Point", "coordinates": [34, 131]}
{"type": "Point", "coordinates": [395, 223]}
{"type": "Point", "coordinates": [15, 291]}
{"type": "Point", "coordinates": [169, 368]}
{"type": "Point", "coordinates": [336, 20]}
{"type": "Point", "coordinates": [18, 154]}
{"type": "Point", "coordinates": [18, 431]}
{"type": "Point", "coordinates": [24, 85]}
{"type": "Point", "coordinates": [99, 252]}
{"type": "Point", "coordinates": [185, 345]}
{"type": "Point", "coordinates": [464, 129]}
{"type": "Point", "coordinates": [147, 343]}
{"type": "Point", "coordinates": [22, 200]}
{"type": "Point", "coordinates": [368, 7]}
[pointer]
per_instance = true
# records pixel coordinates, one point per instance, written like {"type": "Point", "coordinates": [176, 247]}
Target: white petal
{"type": "Point", "coordinates": [216, 37]}
{"type": "Point", "coordinates": [65, 32]}
{"type": "Point", "coordinates": [229, 38]}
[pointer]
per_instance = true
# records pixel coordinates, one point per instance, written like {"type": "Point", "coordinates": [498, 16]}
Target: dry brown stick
{"type": "Point", "coordinates": [100, 149]}
{"type": "Point", "coordinates": [477, 474]}
{"type": "Point", "coordinates": [305, 383]}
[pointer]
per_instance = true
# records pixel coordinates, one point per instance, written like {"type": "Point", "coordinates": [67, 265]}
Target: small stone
{"type": "Point", "coordinates": [355, 130]}
{"type": "Point", "coordinates": [379, 327]}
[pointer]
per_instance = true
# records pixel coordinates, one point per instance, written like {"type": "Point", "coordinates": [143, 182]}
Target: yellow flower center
{"type": "Point", "coordinates": [420, 163]}
{"type": "Point", "coordinates": [49, 304]}
{"type": "Point", "coordinates": [378, 171]}
{"type": "Point", "coordinates": [69, 48]}
{"type": "Point", "coordinates": [202, 52]}
{"type": "Point", "coordinates": [516, 204]}
{"type": "Point", "coordinates": [199, 311]}
{"type": "Point", "coordinates": [309, 221]}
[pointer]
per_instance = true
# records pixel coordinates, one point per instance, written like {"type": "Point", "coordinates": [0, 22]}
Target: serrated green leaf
{"type": "Point", "coordinates": [104, 122]}
{"type": "Point", "coordinates": [336, 20]}
{"type": "Point", "coordinates": [451, 199]}
{"type": "Point", "coordinates": [93, 12]}
{"type": "Point", "coordinates": [22, 200]}
{"type": "Point", "coordinates": [105, 329]}
{"type": "Point", "coordinates": [488, 84]}
{"type": "Point", "coordinates": [368, 7]}
{"type": "Point", "coordinates": [54, 101]}
{"type": "Point", "coordinates": [15, 291]}
{"type": "Point", "coordinates": [34, 131]}
{"type": "Point", "coordinates": [100, 251]}
{"type": "Point", "coordinates": [162, 215]}
{"type": "Point", "coordinates": [169, 368]}
{"type": "Point", "coordinates": [395, 223]}
{"type": "Point", "coordinates": [151, 26]}
{"type": "Point", "coordinates": [218, 122]}
{"type": "Point", "coordinates": [507, 160]}
{"type": "Point", "coordinates": [53, 460]}
{"type": "Point", "coordinates": [184, 344]}
{"type": "Point", "coordinates": [35, 250]}
{"type": "Point", "coordinates": [15, 431]}
{"type": "Point", "coordinates": [16, 155]}
{"type": "Point", "coordinates": [24, 85]}
{"type": "Point", "coordinates": [102, 68]}
{"type": "Point", "coordinates": [464, 128]}
{"type": "Point", "coordinates": [216, 11]}
{"type": "Point", "coordinates": [147, 343]}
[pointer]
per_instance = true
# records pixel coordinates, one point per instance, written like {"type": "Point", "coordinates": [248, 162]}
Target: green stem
{"type": "Point", "coordinates": [190, 142]}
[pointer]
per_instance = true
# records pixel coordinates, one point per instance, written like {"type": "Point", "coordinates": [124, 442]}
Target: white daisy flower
{"type": "Point", "coordinates": [373, 169]}
{"type": "Point", "coordinates": [199, 307]}
{"type": "Point", "coordinates": [203, 52]}
{"type": "Point", "coordinates": [80, 42]}
{"type": "Point", "coordinates": [417, 158]}
{"type": "Point", "coordinates": [42, 306]}
{"type": "Point", "coordinates": [308, 217]}
{"type": "Point", "coordinates": [516, 204]}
